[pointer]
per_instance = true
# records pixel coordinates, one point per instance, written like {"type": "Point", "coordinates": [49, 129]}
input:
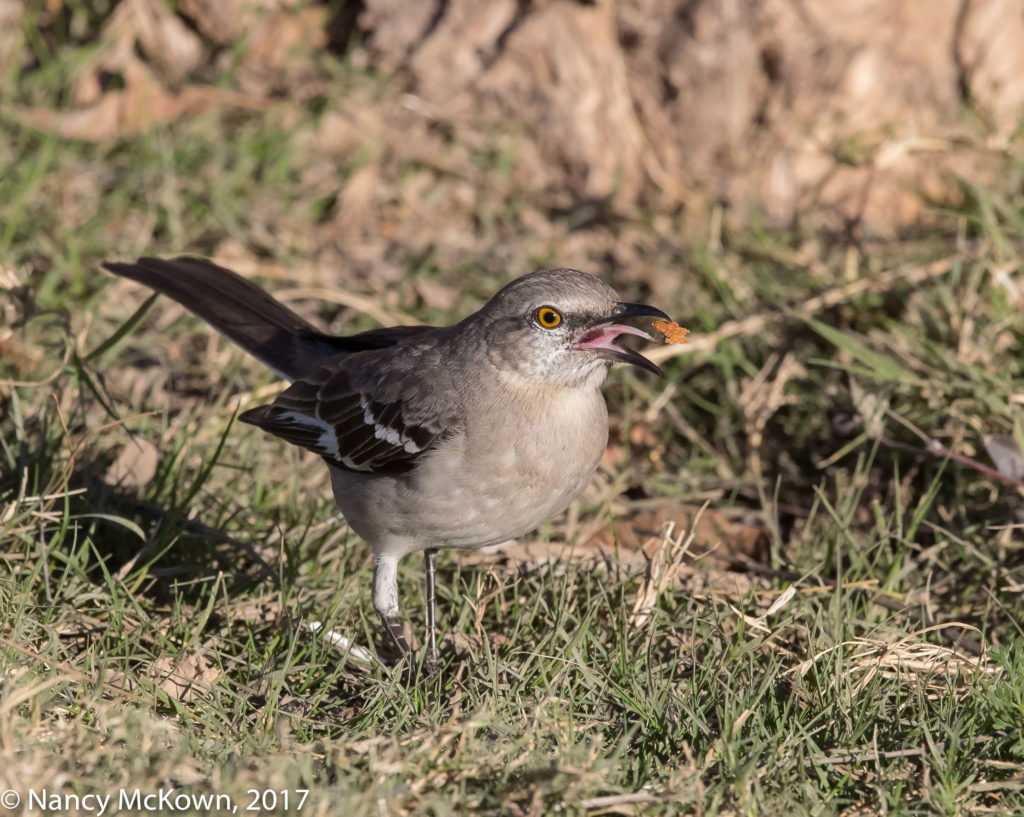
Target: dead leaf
{"type": "Point", "coordinates": [12, 41]}
{"type": "Point", "coordinates": [631, 542]}
{"type": "Point", "coordinates": [716, 538]}
{"type": "Point", "coordinates": [663, 568]}
{"type": "Point", "coordinates": [871, 406]}
{"type": "Point", "coordinates": [220, 20]}
{"type": "Point", "coordinates": [533, 555]}
{"type": "Point", "coordinates": [435, 294]}
{"type": "Point", "coordinates": [644, 443]}
{"type": "Point", "coordinates": [354, 211]}
{"type": "Point", "coordinates": [161, 35]}
{"type": "Point", "coordinates": [397, 27]}
{"type": "Point", "coordinates": [141, 105]}
{"type": "Point", "coordinates": [282, 49]}
{"type": "Point", "coordinates": [135, 465]}
{"type": "Point", "coordinates": [186, 681]}
{"type": "Point", "coordinates": [1006, 455]}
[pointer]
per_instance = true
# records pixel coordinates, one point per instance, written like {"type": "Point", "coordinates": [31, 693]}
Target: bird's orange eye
{"type": "Point", "coordinates": [548, 317]}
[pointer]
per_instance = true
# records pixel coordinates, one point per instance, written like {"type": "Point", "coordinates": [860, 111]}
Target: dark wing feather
{"type": "Point", "coordinates": [369, 412]}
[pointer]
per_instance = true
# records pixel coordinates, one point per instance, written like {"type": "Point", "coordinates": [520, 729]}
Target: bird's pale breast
{"type": "Point", "coordinates": [489, 483]}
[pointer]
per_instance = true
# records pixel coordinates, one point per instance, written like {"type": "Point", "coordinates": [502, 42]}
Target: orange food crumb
{"type": "Point", "coordinates": [672, 331]}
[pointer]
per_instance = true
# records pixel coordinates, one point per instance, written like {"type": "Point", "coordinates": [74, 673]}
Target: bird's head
{"type": "Point", "coordinates": [560, 326]}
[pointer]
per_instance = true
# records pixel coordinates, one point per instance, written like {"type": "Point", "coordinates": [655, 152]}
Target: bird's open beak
{"type": "Point", "coordinates": [601, 336]}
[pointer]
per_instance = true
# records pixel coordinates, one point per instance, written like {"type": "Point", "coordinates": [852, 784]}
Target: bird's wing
{"type": "Point", "coordinates": [371, 411]}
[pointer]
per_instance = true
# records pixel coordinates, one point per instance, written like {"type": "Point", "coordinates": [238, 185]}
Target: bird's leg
{"type": "Point", "coordinates": [431, 661]}
{"type": "Point", "coordinates": [385, 600]}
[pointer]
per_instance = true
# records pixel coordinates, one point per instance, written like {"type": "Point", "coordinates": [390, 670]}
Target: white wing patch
{"type": "Point", "coordinates": [386, 433]}
{"type": "Point", "coordinates": [327, 442]}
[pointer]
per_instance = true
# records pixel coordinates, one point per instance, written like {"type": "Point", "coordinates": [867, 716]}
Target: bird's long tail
{"type": "Point", "coordinates": [238, 309]}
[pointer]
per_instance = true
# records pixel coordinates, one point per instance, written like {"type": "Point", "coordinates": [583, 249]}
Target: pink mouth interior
{"type": "Point", "coordinates": [603, 337]}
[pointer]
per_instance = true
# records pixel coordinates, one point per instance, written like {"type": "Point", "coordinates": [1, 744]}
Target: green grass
{"type": "Point", "coordinates": [890, 681]}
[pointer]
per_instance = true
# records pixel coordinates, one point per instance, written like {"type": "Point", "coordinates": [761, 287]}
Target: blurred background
{"type": "Point", "coordinates": [382, 135]}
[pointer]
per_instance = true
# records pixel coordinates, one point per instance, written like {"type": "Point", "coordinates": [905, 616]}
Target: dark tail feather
{"type": "Point", "coordinates": [238, 309]}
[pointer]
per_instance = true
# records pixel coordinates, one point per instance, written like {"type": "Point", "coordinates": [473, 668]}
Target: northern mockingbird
{"type": "Point", "coordinates": [435, 437]}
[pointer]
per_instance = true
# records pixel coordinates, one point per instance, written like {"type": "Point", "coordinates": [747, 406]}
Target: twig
{"type": "Point", "coordinates": [936, 449]}
{"type": "Point", "coordinates": [609, 800]}
{"type": "Point", "coordinates": [754, 324]}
